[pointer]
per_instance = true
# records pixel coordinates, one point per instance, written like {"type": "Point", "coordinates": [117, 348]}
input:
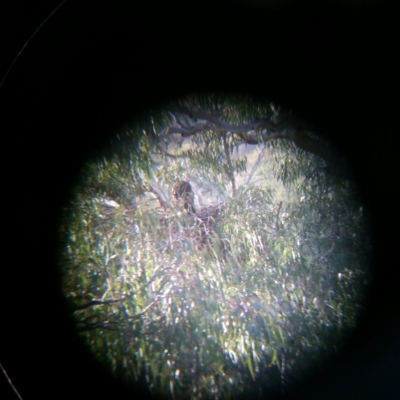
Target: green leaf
{"type": "Point", "coordinates": [105, 255]}
{"type": "Point", "coordinates": [250, 366]}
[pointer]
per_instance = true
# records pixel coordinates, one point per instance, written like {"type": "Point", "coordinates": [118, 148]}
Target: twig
{"type": "Point", "coordinates": [9, 381]}
{"type": "Point", "coordinates": [136, 316]}
{"type": "Point", "coordinates": [329, 251]}
{"type": "Point", "coordinates": [277, 216]}
{"type": "Point", "coordinates": [169, 154]}
{"type": "Point", "coordinates": [255, 166]}
{"type": "Point", "coordinates": [97, 302]}
{"type": "Point", "coordinates": [230, 173]}
{"type": "Point", "coordinates": [99, 325]}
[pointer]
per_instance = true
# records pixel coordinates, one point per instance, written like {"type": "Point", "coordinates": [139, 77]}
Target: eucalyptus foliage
{"type": "Point", "coordinates": [275, 289]}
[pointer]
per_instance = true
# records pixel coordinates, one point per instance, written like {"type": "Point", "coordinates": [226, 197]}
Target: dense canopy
{"type": "Point", "coordinates": [217, 248]}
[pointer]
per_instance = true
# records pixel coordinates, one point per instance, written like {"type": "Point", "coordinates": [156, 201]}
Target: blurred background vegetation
{"type": "Point", "coordinates": [272, 288]}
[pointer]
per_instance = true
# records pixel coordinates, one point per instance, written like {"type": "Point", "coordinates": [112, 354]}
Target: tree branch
{"type": "Point", "coordinates": [96, 303]}
{"type": "Point", "coordinates": [136, 316]}
{"type": "Point", "coordinates": [231, 175]}
{"type": "Point", "coordinates": [222, 126]}
{"type": "Point", "coordinates": [277, 217]}
{"type": "Point", "coordinates": [255, 166]}
{"type": "Point", "coordinates": [99, 325]}
{"type": "Point", "coordinates": [159, 195]}
{"type": "Point", "coordinates": [261, 130]}
{"type": "Point", "coordinates": [168, 154]}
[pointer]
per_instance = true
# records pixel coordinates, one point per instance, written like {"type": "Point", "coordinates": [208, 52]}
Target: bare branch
{"type": "Point", "coordinates": [261, 130]}
{"type": "Point", "coordinates": [99, 325]}
{"type": "Point", "coordinates": [136, 316]}
{"type": "Point", "coordinates": [277, 216]}
{"type": "Point", "coordinates": [222, 126]}
{"type": "Point", "coordinates": [230, 167]}
{"type": "Point", "coordinates": [159, 195]}
{"type": "Point", "coordinates": [256, 164]}
{"type": "Point", "coordinates": [186, 132]}
{"type": "Point", "coordinates": [165, 152]}
{"type": "Point", "coordinates": [96, 303]}
{"type": "Point", "coordinates": [326, 254]}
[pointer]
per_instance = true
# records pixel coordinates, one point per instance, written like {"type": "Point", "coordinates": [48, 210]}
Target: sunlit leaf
{"type": "Point", "coordinates": [250, 366]}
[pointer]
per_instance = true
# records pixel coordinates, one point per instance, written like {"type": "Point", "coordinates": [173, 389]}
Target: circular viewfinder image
{"type": "Point", "coordinates": [217, 248]}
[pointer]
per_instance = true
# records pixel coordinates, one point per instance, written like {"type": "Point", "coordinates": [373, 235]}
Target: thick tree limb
{"type": "Point", "coordinates": [307, 143]}
{"type": "Point", "coordinates": [222, 126]}
{"type": "Point", "coordinates": [261, 130]}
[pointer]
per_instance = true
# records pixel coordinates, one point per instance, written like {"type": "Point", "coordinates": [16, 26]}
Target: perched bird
{"type": "Point", "coordinates": [183, 194]}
